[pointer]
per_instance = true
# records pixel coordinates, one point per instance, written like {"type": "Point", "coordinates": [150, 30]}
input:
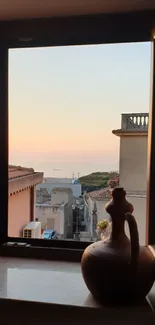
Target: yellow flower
{"type": "Point", "coordinates": [103, 224]}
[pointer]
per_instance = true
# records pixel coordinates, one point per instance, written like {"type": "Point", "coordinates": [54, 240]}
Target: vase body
{"type": "Point", "coordinates": [118, 270]}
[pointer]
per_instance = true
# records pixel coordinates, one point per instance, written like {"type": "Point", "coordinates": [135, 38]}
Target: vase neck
{"type": "Point", "coordinates": [117, 230]}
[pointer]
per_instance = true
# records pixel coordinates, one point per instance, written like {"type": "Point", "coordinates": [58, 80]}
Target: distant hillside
{"type": "Point", "coordinates": [98, 178]}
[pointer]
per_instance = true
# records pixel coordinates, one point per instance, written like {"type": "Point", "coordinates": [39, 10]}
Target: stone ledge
{"type": "Point", "coordinates": [56, 283]}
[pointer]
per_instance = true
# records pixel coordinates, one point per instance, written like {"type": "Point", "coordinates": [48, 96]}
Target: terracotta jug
{"type": "Point", "coordinates": [118, 270]}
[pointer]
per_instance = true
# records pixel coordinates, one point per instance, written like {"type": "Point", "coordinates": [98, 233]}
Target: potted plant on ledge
{"type": "Point", "coordinates": [102, 226]}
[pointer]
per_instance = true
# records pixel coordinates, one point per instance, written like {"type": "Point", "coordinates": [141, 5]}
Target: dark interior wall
{"type": "Point", "coordinates": [94, 29]}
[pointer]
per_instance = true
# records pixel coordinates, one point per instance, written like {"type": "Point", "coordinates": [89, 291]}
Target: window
{"type": "Point", "coordinates": [29, 192]}
{"type": "Point", "coordinates": [50, 223]}
{"type": "Point", "coordinates": [55, 209]}
{"type": "Point", "coordinates": [51, 85]}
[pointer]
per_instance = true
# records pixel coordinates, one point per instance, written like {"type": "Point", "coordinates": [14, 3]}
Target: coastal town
{"type": "Point", "coordinates": [73, 208]}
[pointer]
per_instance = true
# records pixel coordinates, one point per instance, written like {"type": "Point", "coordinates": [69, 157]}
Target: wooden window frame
{"type": "Point", "coordinates": [65, 31]}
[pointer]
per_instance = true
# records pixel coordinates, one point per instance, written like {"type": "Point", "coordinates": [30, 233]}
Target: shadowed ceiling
{"type": "Point", "coordinates": [24, 9]}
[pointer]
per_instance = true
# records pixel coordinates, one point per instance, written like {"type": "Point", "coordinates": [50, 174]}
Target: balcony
{"type": "Point", "coordinates": [133, 123]}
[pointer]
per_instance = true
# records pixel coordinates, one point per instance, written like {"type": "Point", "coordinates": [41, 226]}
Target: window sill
{"type": "Point", "coordinates": [55, 284]}
{"type": "Point", "coordinates": [42, 253]}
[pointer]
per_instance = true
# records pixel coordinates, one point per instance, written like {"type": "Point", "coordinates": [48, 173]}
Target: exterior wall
{"type": "Point", "coordinates": [59, 197]}
{"type": "Point", "coordinates": [54, 217]}
{"type": "Point", "coordinates": [90, 210]}
{"type": "Point", "coordinates": [68, 221]}
{"type": "Point", "coordinates": [42, 196]}
{"type": "Point", "coordinates": [58, 218]}
{"type": "Point", "coordinates": [32, 203]}
{"type": "Point", "coordinates": [50, 223]}
{"type": "Point", "coordinates": [18, 213]}
{"type": "Point", "coordinates": [133, 162]}
{"type": "Point", "coordinates": [139, 213]}
{"type": "Point", "coordinates": [34, 206]}
{"type": "Point", "coordinates": [133, 177]}
{"type": "Point", "coordinates": [100, 213]}
{"type": "Point", "coordinates": [64, 196]}
{"type": "Point", "coordinates": [43, 213]}
{"type": "Point", "coordinates": [139, 204]}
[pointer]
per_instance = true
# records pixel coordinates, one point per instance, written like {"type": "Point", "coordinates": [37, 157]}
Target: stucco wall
{"type": "Point", "coordinates": [58, 217]}
{"type": "Point", "coordinates": [139, 204]}
{"type": "Point", "coordinates": [48, 215]}
{"type": "Point", "coordinates": [59, 197]}
{"type": "Point", "coordinates": [63, 196]}
{"type": "Point", "coordinates": [43, 213]}
{"type": "Point", "coordinates": [18, 213]}
{"type": "Point", "coordinates": [133, 162]}
{"type": "Point", "coordinates": [101, 212]}
{"type": "Point", "coordinates": [139, 213]}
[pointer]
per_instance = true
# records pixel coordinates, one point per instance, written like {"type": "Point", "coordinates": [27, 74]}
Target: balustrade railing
{"type": "Point", "coordinates": [135, 121]}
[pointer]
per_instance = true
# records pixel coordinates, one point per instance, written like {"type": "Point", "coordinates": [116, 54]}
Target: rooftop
{"type": "Point", "coordinates": [56, 205]}
{"type": "Point", "coordinates": [60, 180]}
{"type": "Point", "coordinates": [61, 189]}
{"type": "Point", "coordinates": [22, 178]}
{"type": "Point", "coordinates": [133, 123]}
{"type": "Point", "coordinates": [18, 171]}
{"type": "Point", "coordinates": [99, 195]}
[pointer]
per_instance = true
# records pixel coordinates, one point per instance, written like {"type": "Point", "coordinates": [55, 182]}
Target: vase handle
{"type": "Point", "coordinates": [134, 237]}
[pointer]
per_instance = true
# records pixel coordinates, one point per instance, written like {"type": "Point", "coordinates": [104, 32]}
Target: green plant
{"type": "Point", "coordinates": [103, 224]}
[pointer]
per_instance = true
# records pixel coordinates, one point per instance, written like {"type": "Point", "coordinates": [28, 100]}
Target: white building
{"type": "Point", "coordinates": [133, 164]}
{"type": "Point", "coordinates": [64, 196]}
{"type": "Point", "coordinates": [51, 183]}
{"type": "Point", "coordinates": [95, 209]}
{"type": "Point", "coordinates": [54, 217]}
{"type": "Point", "coordinates": [59, 214]}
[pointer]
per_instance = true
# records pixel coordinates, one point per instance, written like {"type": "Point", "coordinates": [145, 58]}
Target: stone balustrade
{"type": "Point", "coordinates": [135, 121]}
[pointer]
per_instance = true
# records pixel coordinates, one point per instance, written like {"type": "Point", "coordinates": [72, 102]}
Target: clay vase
{"type": "Point", "coordinates": [118, 270]}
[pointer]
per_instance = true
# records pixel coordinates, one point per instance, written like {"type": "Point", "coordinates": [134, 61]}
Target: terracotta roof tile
{"type": "Point", "coordinates": [18, 171]}
{"type": "Point", "coordinates": [100, 194]}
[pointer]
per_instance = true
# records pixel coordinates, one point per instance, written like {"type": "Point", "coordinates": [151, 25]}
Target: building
{"type": "Point", "coordinates": [64, 180]}
{"type": "Point", "coordinates": [42, 196]}
{"type": "Point", "coordinates": [58, 214]}
{"type": "Point", "coordinates": [94, 210]}
{"type": "Point", "coordinates": [22, 198]}
{"type": "Point", "coordinates": [133, 164]}
{"type": "Point", "coordinates": [51, 183]}
{"type": "Point", "coordinates": [54, 217]}
{"type": "Point", "coordinates": [64, 196]}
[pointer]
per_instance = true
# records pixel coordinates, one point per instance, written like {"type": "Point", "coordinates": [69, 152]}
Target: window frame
{"type": "Point", "coordinates": [66, 31]}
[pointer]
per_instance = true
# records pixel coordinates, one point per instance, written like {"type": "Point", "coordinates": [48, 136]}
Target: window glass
{"type": "Point", "coordinates": [69, 143]}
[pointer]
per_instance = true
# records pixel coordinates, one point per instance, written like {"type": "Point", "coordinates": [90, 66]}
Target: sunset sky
{"type": "Point", "coordinates": [65, 101]}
